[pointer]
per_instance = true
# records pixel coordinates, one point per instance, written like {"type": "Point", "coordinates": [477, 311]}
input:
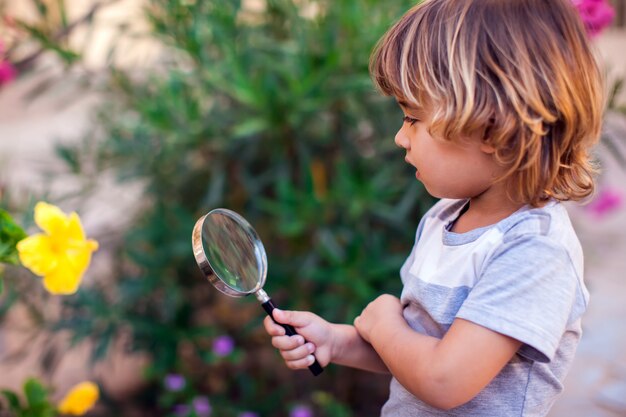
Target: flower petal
{"type": "Point", "coordinates": [80, 399]}
{"type": "Point", "coordinates": [63, 280]}
{"type": "Point", "coordinates": [75, 228]}
{"type": "Point", "coordinates": [36, 254]}
{"type": "Point", "coordinates": [78, 257]}
{"type": "Point", "coordinates": [50, 219]}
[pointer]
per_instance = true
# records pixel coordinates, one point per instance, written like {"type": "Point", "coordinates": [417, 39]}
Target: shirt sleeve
{"type": "Point", "coordinates": [526, 291]}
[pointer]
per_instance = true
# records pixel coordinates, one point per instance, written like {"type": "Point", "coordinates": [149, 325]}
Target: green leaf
{"type": "Point", "coordinates": [36, 394]}
{"type": "Point", "coordinates": [614, 93]}
{"type": "Point", "coordinates": [62, 12]}
{"type": "Point", "coordinates": [12, 399]}
{"type": "Point", "coordinates": [10, 234]}
{"type": "Point", "coordinates": [46, 42]}
{"type": "Point", "coordinates": [42, 8]}
{"type": "Point", "coordinates": [71, 156]}
{"type": "Point", "coordinates": [251, 127]}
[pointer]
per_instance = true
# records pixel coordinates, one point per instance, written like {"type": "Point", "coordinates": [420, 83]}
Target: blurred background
{"type": "Point", "coordinates": [142, 115]}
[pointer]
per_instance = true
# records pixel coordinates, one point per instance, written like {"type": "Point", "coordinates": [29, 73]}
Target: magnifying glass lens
{"type": "Point", "coordinates": [228, 248]}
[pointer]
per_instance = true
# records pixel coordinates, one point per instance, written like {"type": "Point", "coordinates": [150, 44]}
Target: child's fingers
{"type": "Point", "coordinates": [298, 353]}
{"type": "Point", "coordinates": [295, 318]}
{"type": "Point", "coordinates": [272, 328]}
{"type": "Point", "coordinates": [287, 342]}
{"type": "Point", "coordinates": [301, 363]}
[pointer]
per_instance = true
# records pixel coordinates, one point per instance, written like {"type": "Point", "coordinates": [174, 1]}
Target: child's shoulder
{"type": "Point", "coordinates": [550, 222]}
{"type": "Point", "coordinates": [545, 233]}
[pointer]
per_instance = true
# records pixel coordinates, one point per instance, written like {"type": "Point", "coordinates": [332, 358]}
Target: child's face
{"type": "Point", "coordinates": [461, 168]}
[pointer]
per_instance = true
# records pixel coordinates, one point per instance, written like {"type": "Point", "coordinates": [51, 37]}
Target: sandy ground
{"type": "Point", "coordinates": [596, 385]}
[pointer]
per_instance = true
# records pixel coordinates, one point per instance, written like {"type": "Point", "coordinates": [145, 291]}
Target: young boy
{"type": "Point", "coordinates": [502, 102]}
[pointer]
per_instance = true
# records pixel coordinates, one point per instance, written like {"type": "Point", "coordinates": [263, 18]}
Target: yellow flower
{"type": "Point", "coordinates": [61, 254]}
{"type": "Point", "coordinates": [80, 399]}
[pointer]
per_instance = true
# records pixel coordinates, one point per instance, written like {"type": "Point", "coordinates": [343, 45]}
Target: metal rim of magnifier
{"type": "Point", "coordinates": [205, 264]}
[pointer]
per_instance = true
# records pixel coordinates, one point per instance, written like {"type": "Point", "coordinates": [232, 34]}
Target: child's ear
{"type": "Point", "coordinates": [488, 149]}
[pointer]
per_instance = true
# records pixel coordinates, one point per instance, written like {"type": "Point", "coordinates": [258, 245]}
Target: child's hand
{"type": "Point", "coordinates": [297, 353]}
{"type": "Point", "coordinates": [384, 310]}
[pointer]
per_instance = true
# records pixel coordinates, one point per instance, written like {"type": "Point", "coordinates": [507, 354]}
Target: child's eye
{"type": "Point", "coordinates": [410, 120]}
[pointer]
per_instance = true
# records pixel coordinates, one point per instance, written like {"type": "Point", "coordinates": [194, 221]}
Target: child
{"type": "Point", "coordinates": [502, 103]}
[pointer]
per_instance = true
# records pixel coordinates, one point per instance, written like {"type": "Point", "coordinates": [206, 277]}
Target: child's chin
{"type": "Point", "coordinates": [438, 193]}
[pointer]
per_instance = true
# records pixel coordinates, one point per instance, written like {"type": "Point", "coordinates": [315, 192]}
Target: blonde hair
{"type": "Point", "coordinates": [519, 73]}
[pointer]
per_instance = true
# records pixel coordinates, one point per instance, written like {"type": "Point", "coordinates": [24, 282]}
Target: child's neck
{"type": "Point", "coordinates": [486, 209]}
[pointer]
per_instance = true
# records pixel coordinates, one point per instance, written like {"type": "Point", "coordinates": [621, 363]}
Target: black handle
{"type": "Point", "coordinates": [269, 306]}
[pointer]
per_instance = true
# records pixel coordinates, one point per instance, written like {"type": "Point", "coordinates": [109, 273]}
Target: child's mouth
{"type": "Point", "coordinates": [417, 171]}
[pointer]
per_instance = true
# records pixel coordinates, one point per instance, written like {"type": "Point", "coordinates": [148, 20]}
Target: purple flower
{"type": "Point", "coordinates": [596, 14]}
{"type": "Point", "coordinates": [223, 345]}
{"type": "Point", "coordinates": [301, 411]}
{"type": "Point", "coordinates": [606, 202]}
{"type": "Point", "coordinates": [201, 406]}
{"type": "Point", "coordinates": [248, 414]}
{"type": "Point", "coordinates": [181, 410]}
{"type": "Point", "coordinates": [174, 382]}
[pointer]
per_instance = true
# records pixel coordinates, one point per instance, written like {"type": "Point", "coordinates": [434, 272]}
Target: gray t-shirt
{"type": "Point", "coordinates": [522, 277]}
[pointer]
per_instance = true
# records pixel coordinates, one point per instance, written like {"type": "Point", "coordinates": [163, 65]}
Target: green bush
{"type": "Point", "coordinates": [273, 115]}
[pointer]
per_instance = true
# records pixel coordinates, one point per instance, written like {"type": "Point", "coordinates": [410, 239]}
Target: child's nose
{"type": "Point", "coordinates": [402, 140]}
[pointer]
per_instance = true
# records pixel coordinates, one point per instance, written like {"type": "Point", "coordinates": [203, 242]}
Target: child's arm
{"type": "Point", "coordinates": [337, 343]}
{"type": "Point", "coordinates": [444, 373]}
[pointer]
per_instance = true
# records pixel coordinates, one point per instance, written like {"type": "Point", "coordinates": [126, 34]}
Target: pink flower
{"type": "Point", "coordinates": [7, 71]}
{"type": "Point", "coordinates": [607, 201]}
{"type": "Point", "coordinates": [596, 14]}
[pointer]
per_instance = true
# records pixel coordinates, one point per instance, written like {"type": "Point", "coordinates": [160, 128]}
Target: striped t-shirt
{"type": "Point", "coordinates": [521, 277]}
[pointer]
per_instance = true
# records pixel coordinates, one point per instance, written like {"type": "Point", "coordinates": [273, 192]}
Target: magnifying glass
{"type": "Point", "coordinates": [232, 257]}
